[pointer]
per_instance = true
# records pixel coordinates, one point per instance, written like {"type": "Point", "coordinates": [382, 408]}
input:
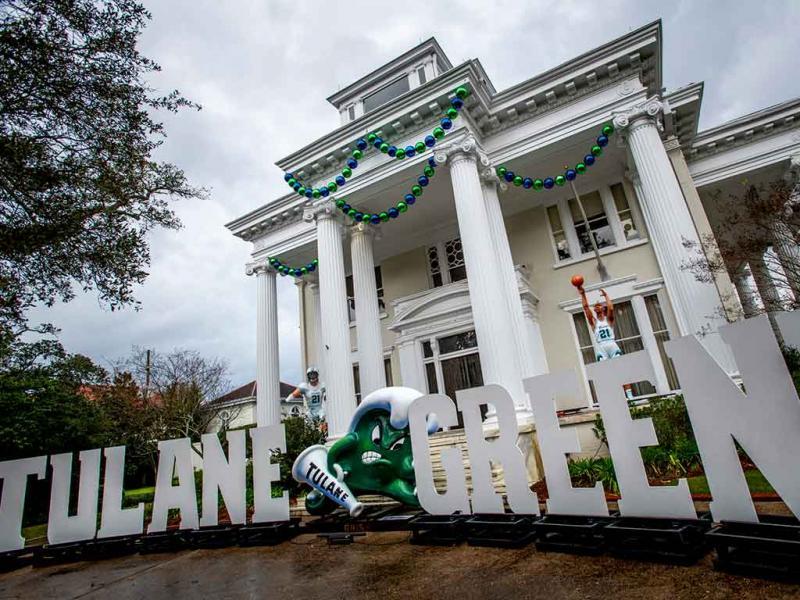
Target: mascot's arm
{"type": "Point", "coordinates": [340, 447]}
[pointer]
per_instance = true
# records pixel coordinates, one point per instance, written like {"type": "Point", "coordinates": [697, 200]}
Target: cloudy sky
{"type": "Point", "coordinates": [262, 71]}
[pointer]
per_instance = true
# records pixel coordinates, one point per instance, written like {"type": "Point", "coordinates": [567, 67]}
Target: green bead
{"type": "Point", "coordinates": [429, 171]}
{"type": "Point", "coordinates": [339, 203]}
{"type": "Point", "coordinates": [358, 154]}
{"type": "Point", "coordinates": [352, 213]}
{"type": "Point", "coordinates": [438, 133]}
{"type": "Point", "coordinates": [384, 147]}
{"type": "Point", "coordinates": [302, 191]}
{"type": "Point", "coordinates": [420, 147]}
{"type": "Point", "coordinates": [518, 181]}
{"type": "Point", "coordinates": [315, 194]}
{"type": "Point", "coordinates": [538, 184]}
{"type": "Point", "coordinates": [501, 171]}
{"type": "Point", "coordinates": [384, 216]}
{"type": "Point", "coordinates": [597, 150]}
{"type": "Point", "coordinates": [304, 270]}
{"type": "Point", "coordinates": [332, 187]}
{"type": "Point", "coordinates": [347, 171]}
{"type": "Point", "coordinates": [416, 190]}
{"type": "Point", "coordinates": [580, 168]}
{"type": "Point", "coordinates": [452, 113]}
{"type": "Point", "coordinates": [372, 137]}
{"type": "Point", "coordinates": [401, 154]}
{"type": "Point", "coordinates": [402, 206]}
{"type": "Point", "coordinates": [561, 180]}
{"type": "Point", "coordinates": [315, 261]}
{"type": "Point", "coordinates": [462, 92]}
{"type": "Point", "coordinates": [608, 130]}
{"type": "Point", "coordinates": [365, 218]}
{"type": "Point", "coordinates": [291, 182]}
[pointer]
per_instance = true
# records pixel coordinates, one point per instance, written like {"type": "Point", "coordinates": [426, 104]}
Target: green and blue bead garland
{"type": "Point", "coordinates": [445, 123]}
{"type": "Point", "coordinates": [569, 174]}
{"type": "Point", "coordinates": [283, 269]}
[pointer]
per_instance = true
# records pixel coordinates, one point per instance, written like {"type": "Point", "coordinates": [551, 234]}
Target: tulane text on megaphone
{"type": "Point", "coordinates": [311, 467]}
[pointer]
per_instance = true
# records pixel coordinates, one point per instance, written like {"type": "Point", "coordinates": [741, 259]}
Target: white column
{"type": "Point", "coordinates": [412, 373]}
{"type": "Point", "coordinates": [788, 252]}
{"type": "Point", "coordinates": [527, 347]}
{"type": "Point", "coordinates": [494, 325]}
{"type": "Point", "coordinates": [341, 400]}
{"type": "Point", "coordinates": [696, 304]}
{"type": "Point", "coordinates": [765, 284]}
{"type": "Point", "coordinates": [319, 355]}
{"type": "Point", "coordinates": [368, 323]}
{"type": "Point", "coordinates": [740, 279]}
{"type": "Point", "coordinates": [650, 344]}
{"type": "Point", "coordinates": [268, 399]}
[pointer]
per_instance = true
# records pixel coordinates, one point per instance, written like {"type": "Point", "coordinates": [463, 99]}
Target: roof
{"type": "Point", "coordinates": [248, 391]}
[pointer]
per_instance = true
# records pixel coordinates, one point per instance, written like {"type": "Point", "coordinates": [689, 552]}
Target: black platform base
{"type": "Point", "coordinates": [570, 534]}
{"type": "Point", "coordinates": [676, 541]}
{"type": "Point", "coordinates": [111, 547]}
{"type": "Point", "coordinates": [50, 554]}
{"type": "Point", "coordinates": [770, 548]}
{"type": "Point", "coordinates": [166, 541]}
{"type": "Point", "coordinates": [16, 559]}
{"type": "Point", "coordinates": [437, 530]}
{"type": "Point", "coordinates": [500, 531]}
{"type": "Point", "coordinates": [268, 534]}
{"type": "Point", "coordinates": [221, 536]}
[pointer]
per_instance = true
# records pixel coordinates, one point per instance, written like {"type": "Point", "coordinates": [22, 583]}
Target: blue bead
{"type": "Point", "coordinates": [298, 273]}
{"type": "Point", "coordinates": [346, 208]}
{"type": "Point", "coordinates": [296, 186]}
{"type": "Point", "coordinates": [549, 183]}
{"type": "Point", "coordinates": [422, 180]}
{"type": "Point", "coordinates": [457, 103]}
{"type": "Point", "coordinates": [602, 140]}
{"type": "Point", "coordinates": [361, 144]}
{"type": "Point", "coordinates": [410, 151]}
{"type": "Point", "coordinates": [324, 192]}
{"type": "Point", "coordinates": [359, 216]}
{"type": "Point", "coordinates": [352, 163]}
{"type": "Point", "coordinates": [377, 143]}
{"type": "Point", "coordinates": [308, 193]}
{"type": "Point", "coordinates": [311, 267]}
{"type": "Point", "coordinates": [571, 174]}
{"type": "Point", "coordinates": [392, 150]}
{"type": "Point", "coordinates": [287, 176]}
{"type": "Point", "coordinates": [340, 180]}
{"type": "Point", "coordinates": [509, 176]}
{"type": "Point", "coordinates": [410, 198]}
{"type": "Point", "coordinates": [446, 123]}
{"type": "Point", "coordinates": [527, 183]}
{"type": "Point", "coordinates": [432, 162]}
{"type": "Point", "coordinates": [589, 159]}
{"type": "Point", "coordinates": [430, 141]}
{"type": "Point", "coordinates": [375, 220]}
{"type": "Point", "coordinates": [393, 212]}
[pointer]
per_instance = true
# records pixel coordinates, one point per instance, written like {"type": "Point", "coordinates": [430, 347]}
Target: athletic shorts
{"type": "Point", "coordinates": [608, 350]}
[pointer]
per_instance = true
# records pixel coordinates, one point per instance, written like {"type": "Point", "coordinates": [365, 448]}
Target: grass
{"type": "Point", "coordinates": [34, 531]}
{"type": "Point", "coordinates": [755, 481]}
{"type": "Point", "coordinates": [133, 497]}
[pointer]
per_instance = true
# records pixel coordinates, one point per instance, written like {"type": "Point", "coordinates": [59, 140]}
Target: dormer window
{"type": "Point", "coordinates": [421, 75]}
{"type": "Point", "coordinates": [386, 94]}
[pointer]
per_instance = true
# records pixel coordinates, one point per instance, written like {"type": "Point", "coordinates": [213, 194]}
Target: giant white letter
{"type": "Point", "coordinates": [455, 499]}
{"type": "Point", "coordinates": [229, 476]}
{"type": "Point", "coordinates": [626, 435]}
{"type": "Point", "coordinates": [62, 528]}
{"type": "Point", "coordinates": [502, 449]}
{"type": "Point", "coordinates": [555, 443]}
{"type": "Point", "coordinates": [265, 440]}
{"type": "Point", "coordinates": [174, 458]}
{"type": "Point", "coordinates": [114, 519]}
{"type": "Point", "coordinates": [14, 474]}
{"type": "Point", "coordinates": [765, 420]}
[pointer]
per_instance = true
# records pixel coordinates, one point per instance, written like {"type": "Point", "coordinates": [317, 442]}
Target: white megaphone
{"type": "Point", "coordinates": [311, 467]}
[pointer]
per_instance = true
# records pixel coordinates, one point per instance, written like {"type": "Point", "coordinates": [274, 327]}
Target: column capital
{"type": "Point", "coordinates": [359, 229]}
{"type": "Point", "coordinates": [642, 114]}
{"type": "Point", "coordinates": [324, 208]}
{"type": "Point", "coordinates": [489, 177]}
{"type": "Point", "coordinates": [466, 147]}
{"type": "Point", "coordinates": [258, 267]}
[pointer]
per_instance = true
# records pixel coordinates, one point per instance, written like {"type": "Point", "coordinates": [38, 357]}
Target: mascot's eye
{"type": "Point", "coordinates": [398, 443]}
{"type": "Point", "coordinates": [376, 434]}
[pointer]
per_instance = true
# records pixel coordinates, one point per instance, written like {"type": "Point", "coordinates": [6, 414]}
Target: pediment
{"type": "Point", "coordinates": [432, 305]}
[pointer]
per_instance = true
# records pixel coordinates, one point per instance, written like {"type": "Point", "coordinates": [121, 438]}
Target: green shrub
{"type": "Point", "coordinates": [300, 434]}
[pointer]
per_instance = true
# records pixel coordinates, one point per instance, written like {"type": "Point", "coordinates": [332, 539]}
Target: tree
{"type": "Point", "coordinates": [79, 189]}
{"type": "Point", "coordinates": [756, 228]}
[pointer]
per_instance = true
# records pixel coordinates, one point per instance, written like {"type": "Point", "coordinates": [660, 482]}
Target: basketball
{"type": "Point", "coordinates": [577, 280]}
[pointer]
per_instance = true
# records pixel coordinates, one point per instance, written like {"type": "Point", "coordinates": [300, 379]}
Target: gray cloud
{"type": "Point", "coordinates": [262, 71]}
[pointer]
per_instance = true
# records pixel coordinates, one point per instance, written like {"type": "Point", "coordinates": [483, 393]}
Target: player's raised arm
{"type": "Point", "coordinates": [609, 307]}
{"type": "Point", "coordinates": [296, 393]}
{"type": "Point", "coordinates": [586, 309]}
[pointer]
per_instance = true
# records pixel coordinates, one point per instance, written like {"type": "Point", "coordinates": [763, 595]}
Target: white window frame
{"type": "Point", "coordinates": [611, 213]}
{"type": "Point", "coordinates": [437, 357]}
{"type": "Point", "coordinates": [444, 266]}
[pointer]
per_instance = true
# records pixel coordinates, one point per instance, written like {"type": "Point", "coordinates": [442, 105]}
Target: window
{"type": "Point", "coordinates": [559, 236]}
{"type": "Point", "coordinates": [661, 333]}
{"type": "Point", "coordinates": [351, 296]}
{"type": "Point", "coordinates": [624, 212]}
{"type": "Point", "coordinates": [386, 93]}
{"type": "Point", "coordinates": [626, 334]}
{"type": "Point", "coordinates": [454, 268]}
{"type": "Point", "coordinates": [351, 112]}
{"type": "Point", "coordinates": [421, 75]}
{"type": "Point", "coordinates": [387, 371]}
{"type": "Point", "coordinates": [597, 219]}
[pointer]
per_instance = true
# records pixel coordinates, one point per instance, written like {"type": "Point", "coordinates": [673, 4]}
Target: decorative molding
{"type": "Point", "coordinates": [489, 176]}
{"type": "Point", "coordinates": [257, 268]}
{"type": "Point", "coordinates": [323, 208]}
{"type": "Point", "coordinates": [466, 147]}
{"type": "Point", "coordinates": [672, 143]}
{"type": "Point", "coordinates": [365, 229]}
{"type": "Point", "coordinates": [645, 113]}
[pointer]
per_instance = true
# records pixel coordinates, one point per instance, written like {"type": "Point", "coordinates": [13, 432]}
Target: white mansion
{"type": "Point", "coordinates": [471, 284]}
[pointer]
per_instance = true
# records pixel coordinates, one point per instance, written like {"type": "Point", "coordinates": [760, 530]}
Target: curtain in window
{"type": "Point", "coordinates": [662, 335]}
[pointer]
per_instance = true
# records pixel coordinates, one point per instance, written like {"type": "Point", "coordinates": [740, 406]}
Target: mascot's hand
{"type": "Point", "coordinates": [338, 471]}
